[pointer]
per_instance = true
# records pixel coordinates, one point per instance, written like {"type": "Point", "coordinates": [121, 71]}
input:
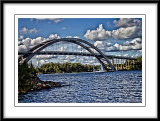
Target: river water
{"type": "Point", "coordinates": [92, 87]}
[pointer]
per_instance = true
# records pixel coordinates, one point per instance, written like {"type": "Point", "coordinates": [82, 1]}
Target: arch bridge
{"type": "Point", "coordinates": [93, 51]}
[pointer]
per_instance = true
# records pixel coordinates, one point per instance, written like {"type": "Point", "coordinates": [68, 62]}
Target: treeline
{"type": "Point", "coordinates": [66, 68]}
{"type": "Point", "coordinates": [136, 65]}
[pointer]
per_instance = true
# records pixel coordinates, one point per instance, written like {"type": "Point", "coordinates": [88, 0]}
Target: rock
{"type": "Point", "coordinates": [39, 88]}
{"type": "Point", "coordinates": [39, 84]}
{"type": "Point", "coordinates": [48, 86]}
{"type": "Point", "coordinates": [43, 85]}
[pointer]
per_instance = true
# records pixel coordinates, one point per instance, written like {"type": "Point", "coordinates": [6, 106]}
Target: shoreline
{"type": "Point", "coordinates": [36, 85]}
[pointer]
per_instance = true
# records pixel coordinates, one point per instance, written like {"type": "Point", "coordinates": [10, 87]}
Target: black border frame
{"type": "Point", "coordinates": [66, 1]}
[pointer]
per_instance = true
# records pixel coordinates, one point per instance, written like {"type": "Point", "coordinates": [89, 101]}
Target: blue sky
{"type": "Point", "coordinates": [67, 27]}
{"type": "Point", "coordinates": [105, 33]}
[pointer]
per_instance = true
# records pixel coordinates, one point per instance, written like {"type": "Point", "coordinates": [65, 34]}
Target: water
{"type": "Point", "coordinates": [93, 87]}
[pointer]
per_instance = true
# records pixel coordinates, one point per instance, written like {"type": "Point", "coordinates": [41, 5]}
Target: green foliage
{"type": "Point", "coordinates": [139, 63]}
{"type": "Point", "coordinates": [136, 65]}
{"type": "Point", "coordinates": [66, 68]}
{"type": "Point", "coordinates": [26, 73]}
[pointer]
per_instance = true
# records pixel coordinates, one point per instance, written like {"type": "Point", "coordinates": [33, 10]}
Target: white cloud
{"type": "Point", "coordinates": [63, 48]}
{"type": "Point", "coordinates": [19, 42]}
{"type": "Point", "coordinates": [127, 33]}
{"type": "Point", "coordinates": [79, 47]}
{"type": "Point", "coordinates": [29, 43]}
{"type": "Point", "coordinates": [45, 56]}
{"type": "Point", "coordinates": [63, 28]}
{"type": "Point", "coordinates": [22, 48]}
{"type": "Point", "coordinates": [21, 37]}
{"type": "Point", "coordinates": [55, 20]}
{"type": "Point", "coordinates": [36, 41]}
{"type": "Point", "coordinates": [26, 41]}
{"type": "Point", "coordinates": [127, 22]}
{"type": "Point", "coordinates": [31, 31]}
{"type": "Point", "coordinates": [72, 37]}
{"type": "Point", "coordinates": [28, 31]}
{"type": "Point", "coordinates": [68, 36]}
{"type": "Point", "coordinates": [134, 44]}
{"type": "Point", "coordinates": [129, 28]}
{"type": "Point", "coordinates": [126, 55]}
{"type": "Point", "coordinates": [140, 51]}
{"type": "Point", "coordinates": [97, 35]}
{"type": "Point", "coordinates": [24, 30]}
{"type": "Point", "coordinates": [52, 36]}
{"type": "Point", "coordinates": [104, 45]}
{"type": "Point", "coordinates": [75, 37]}
{"type": "Point", "coordinates": [135, 56]}
{"type": "Point", "coordinates": [41, 62]}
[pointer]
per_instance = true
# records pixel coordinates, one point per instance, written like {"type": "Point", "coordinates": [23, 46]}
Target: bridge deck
{"type": "Point", "coordinates": [75, 53]}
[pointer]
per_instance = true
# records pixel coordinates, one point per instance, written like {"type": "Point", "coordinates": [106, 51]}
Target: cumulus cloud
{"type": "Point", "coordinates": [127, 22]}
{"type": "Point", "coordinates": [134, 44]}
{"type": "Point", "coordinates": [31, 31]}
{"type": "Point", "coordinates": [19, 42]}
{"type": "Point", "coordinates": [28, 43]}
{"type": "Point", "coordinates": [55, 20]}
{"type": "Point", "coordinates": [104, 45]}
{"type": "Point", "coordinates": [22, 48]}
{"type": "Point", "coordinates": [129, 28]}
{"type": "Point", "coordinates": [127, 45]}
{"type": "Point", "coordinates": [99, 34]}
{"type": "Point", "coordinates": [52, 36]}
{"type": "Point", "coordinates": [24, 30]}
{"type": "Point", "coordinates": [28, 31]}
{"type": "Point", "coordinates": [21, 37]}
{"type": "Point", "coordinates": [127, 33]}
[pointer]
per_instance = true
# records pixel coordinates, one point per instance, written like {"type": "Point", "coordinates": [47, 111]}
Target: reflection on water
{"type": "Point", "coordinates": [93, 87]}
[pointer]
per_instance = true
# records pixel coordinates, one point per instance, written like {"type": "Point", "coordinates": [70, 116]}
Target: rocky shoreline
{"type": "Point", "coordinates": [36, 84]}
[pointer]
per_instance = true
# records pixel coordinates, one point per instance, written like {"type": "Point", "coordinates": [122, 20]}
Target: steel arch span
{"type": "Point", "coordinates": [86, 45]}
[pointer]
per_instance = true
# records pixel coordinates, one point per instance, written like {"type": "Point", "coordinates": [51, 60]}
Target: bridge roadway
{"type": "Point", "coordinates": [75, 53]}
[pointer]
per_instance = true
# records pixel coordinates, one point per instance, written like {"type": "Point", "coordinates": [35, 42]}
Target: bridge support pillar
{"type": "Point", "coordinates": [125, 65]}
{"type": "Point", "coordinates": [128, 64]}
{"type": "Point", "coordinates": [121, 64]}
{"type": "Point", "coordinates": [116, 64]}
{"type": "Point", "coordinates": [113, 61]}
